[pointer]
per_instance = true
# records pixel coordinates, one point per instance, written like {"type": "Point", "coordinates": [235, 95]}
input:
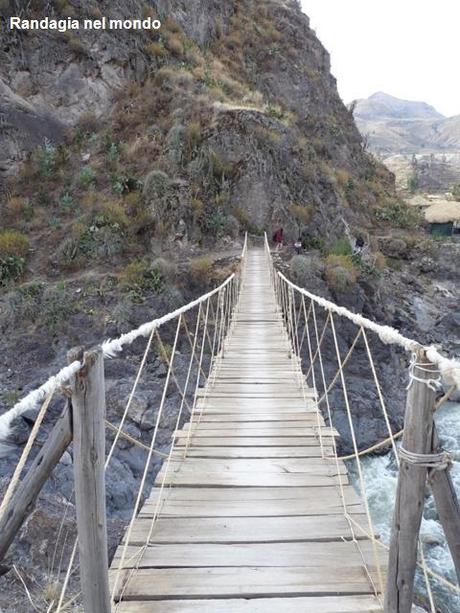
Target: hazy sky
{"type": "Point", "coordinates": [407, 48]}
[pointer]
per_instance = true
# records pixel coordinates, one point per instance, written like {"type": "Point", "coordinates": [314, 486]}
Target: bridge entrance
{"type": "Point", "coordinates": [254, 512]}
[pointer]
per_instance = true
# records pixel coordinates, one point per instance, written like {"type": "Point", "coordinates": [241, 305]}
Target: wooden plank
{"type": "Point", "coordinates": [447, 506]}
{"type": "Point", "coordinates": [249, 418]}
{"type": "Point", "coordinates": [300, 425]}
{"type": "Point", "coordinates": [325, 604]}
{"type": "Point", "coordinates": [260, 582]}
{"type": "Point", "coordinates": [274, 555]}
{"type": "Point", "coordinates": [310, 466]}
{"type": "Point", "coordinates": [251, 441]}
{"type": "Point", "coordinates": [257, 494]}
{"type": "Point", "coordinates": [239, 408]}
{"type": "Point", "coordinates": [275, 508]}
{"type": "Point", "coordinates": [245, 529]}
{"type": "Point", "coordinates": [240, 430]}
{"type": "Point", "coordinates": [252, 452]}
{"type": "Point", "coordinates": [245, 479]}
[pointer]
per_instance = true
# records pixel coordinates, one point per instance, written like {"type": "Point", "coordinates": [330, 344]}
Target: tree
{"type": "Point", "coordinates": [456, 191]}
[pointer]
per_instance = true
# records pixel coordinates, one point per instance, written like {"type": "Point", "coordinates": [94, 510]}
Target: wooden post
{"type": "Point", "coordinates": [25, 496]}
{"type": "Point", "coordinates": [410, 493]}
{"type": "Point", "coordinates": [447, 506]}
{"type": "Point", "coordinates": [88, 401]}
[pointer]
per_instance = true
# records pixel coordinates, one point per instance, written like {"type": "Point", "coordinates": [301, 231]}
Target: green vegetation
{"type": "Point", "coordinates": [140, 278]}
{"type": "Point", "coordinates": [413, 182]}
{"type": "Point", "coordinates": [341, 247]}
{"type": "Point", "coordinates": [341, 272]}
{"type": "Point", "coordinates": [456, 191]}
{"type": "Point", "coordinates": [13, 250]}
{"type": "Point", "coordinates": [87, 177]}
{"type": "Point", "coordinates": [47, 159]}
{"type": "Point", "coordinates": [398, 214]}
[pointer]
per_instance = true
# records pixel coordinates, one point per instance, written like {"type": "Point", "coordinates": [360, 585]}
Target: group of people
{"type": "Point", "coordinates": [278, 239]}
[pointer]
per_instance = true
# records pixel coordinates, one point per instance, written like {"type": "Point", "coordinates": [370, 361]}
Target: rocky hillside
{"type": "Point", "coordinates": [131, 165]}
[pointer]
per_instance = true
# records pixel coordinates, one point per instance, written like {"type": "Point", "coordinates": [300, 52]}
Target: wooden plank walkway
{"type": "Point", "coordinates": [252, 518]}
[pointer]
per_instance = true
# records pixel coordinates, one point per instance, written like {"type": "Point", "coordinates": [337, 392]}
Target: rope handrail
{"type": "Point", "coordinates": [449, 368]}
{"type": "Point", "coordinates": [110, 349]}
{"type": "Point", "coordinates": [440, 368]}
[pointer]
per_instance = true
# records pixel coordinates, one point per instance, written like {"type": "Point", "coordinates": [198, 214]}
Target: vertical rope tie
{"type": "Point", "coordinates": [435, 461]}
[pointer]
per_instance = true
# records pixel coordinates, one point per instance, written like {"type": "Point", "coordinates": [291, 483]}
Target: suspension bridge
{"type": "Point", "coordinates": [252, 509]}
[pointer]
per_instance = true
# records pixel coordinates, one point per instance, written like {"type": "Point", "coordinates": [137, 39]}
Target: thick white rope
{"type": "Point", "coordinates": [109, 348]}
{"type": "Point", "coordinates": [449, 368]}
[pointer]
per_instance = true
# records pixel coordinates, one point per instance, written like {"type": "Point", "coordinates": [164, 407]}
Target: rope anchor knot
{"type": "Point", "coordinates": [434, 383]}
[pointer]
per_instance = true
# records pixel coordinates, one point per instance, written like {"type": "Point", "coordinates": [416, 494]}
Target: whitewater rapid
{"type": "Point", "coordinates": [380, 474]}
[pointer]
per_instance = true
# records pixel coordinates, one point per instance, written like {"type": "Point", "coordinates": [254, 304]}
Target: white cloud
{"type": "Point", "coordinates": [407, 48]}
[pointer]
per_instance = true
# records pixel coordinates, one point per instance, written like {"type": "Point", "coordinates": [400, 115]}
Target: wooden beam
{"type": "Point", "coordinates": [88, 401]}
{"type": "Point", "coordinates": [447, 506]}
{"type": "Point", "coordinates": [25, 496]}
{"type": "Point", "coordinates": [410, 493]}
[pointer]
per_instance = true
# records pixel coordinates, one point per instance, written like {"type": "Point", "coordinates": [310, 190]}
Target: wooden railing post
{"type": "Point", "coordinates": [88, 402]}
{"type": "Point", "coordinates": [410, 493]}
{"type": "Point", "coordinates": [447, 506]}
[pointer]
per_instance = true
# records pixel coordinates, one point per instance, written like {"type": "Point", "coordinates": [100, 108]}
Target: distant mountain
{"type": "Point", "coordinates": [394, 126]}
{"type": "Point", "coordinates": [402, 131]}
{"type": "Point", "coordinates": [384, 106]}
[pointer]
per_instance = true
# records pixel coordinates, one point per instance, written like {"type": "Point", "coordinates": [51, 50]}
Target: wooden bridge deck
{"type": "Point", "coordinates": [252, 519]}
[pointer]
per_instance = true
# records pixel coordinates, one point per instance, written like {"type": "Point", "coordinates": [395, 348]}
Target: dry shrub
{"type": "Point", "coordinates": [197, 206]}
{"type": "Point", "coordinates": [88, 123]}
{"type": "Point", "coordinates": [133, 274]}
{"type": "Point", "coordinates": [14, 208]}
{"type": "Point", "coordinates": [13, 243]}
{"type": "Point", "coordinates": [174, 44]}
{"type": "Point", "coordinates": [148, 11]}
{"type": "Point", "coordinates": [156, 49]}
{"type": "Point", "coordinates": [171, 26]}
{"type": "Point", "coordinates": [200, 270]}
{"type": "Point", "coordinates": [234, 41]}
{"type": "Point", "coordinates": [166, 268]}
{"type": "Point", "coordinates": [380, 261]}
{"type": "Point", "coordinates": [76, 45]}
{"type": "Point", "coordinates": [303, 213]}
{"type": "Point", "coordinates": [341, 273]}
{"type": "Point", "coordinates": [193, 135]}
{"type": "Point", "coordinates": [114, 213]}
{"type": "Point", "coordinates": [343, 176]}
{"type": "Point", "coordinates": [95, 12]}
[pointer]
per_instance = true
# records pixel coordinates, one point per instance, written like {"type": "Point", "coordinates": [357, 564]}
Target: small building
{"type": "Point", "coordinates": [444, 218]}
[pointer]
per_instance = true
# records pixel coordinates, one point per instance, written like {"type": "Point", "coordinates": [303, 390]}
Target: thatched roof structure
{"type": "Point", "coordinates": [443, 212]}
